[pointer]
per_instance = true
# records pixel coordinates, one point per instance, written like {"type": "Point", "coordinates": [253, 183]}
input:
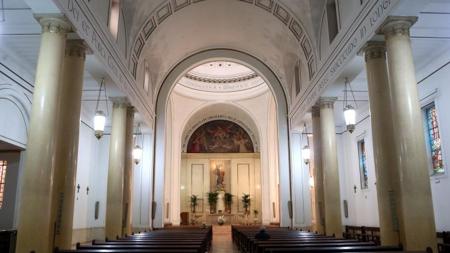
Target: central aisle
{"type": "Point", "coordinates": [222, 242]}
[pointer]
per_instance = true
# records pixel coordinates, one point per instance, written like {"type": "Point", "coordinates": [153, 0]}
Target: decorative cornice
{"type": "Point", "coordinates": [327, 102]}
{"type": "Point", "coordinates": [54, 23]}
{"type": "Point", "coordinates": [397, 25]}
{"type": "Point", "coordinates": [220, 80]}
{"type": "Point", "coordinates": [374, 50]}
{"type": "Point", "coordinates": [76, 48]}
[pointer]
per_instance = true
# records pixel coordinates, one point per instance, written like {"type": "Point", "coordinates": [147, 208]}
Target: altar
{"type": "Point", "coordinates": [221, 179]}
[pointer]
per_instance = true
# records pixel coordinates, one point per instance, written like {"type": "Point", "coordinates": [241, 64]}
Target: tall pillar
{"type": "Point", "coordinates": [383, 139]}
{"type": "Point", "coordinates": [67, 141]}
{"type": "Point", "coordinates": [331, 194]}
{"type": "Point", "coordinates": [415, 207]}
{"type": "Point", "coordinates": [128, 173]}
{"type": "Point", "coordinates": [318, 173]}
{"type": "Point", "coordinates": [35, 228]}
{"type": "Point", "coordinates": [114, 200]}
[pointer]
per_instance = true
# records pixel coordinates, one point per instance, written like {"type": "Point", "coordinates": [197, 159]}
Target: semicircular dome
{"type": "Point", "coordinates": [221, 76]}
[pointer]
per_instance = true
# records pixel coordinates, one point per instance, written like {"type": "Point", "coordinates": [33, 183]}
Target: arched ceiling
{"type": "Point", "coordinates": [280, 33]}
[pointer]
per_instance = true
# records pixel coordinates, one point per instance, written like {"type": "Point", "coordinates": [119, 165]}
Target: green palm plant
{"type": "Point", "coordinates": [228, 199]}
{"type": "Point", "coordinates": [212, 201]}
{"type": "Point", "coordinates": [246, 202]}
{"type": "Point", "coordinates": [194, 202]}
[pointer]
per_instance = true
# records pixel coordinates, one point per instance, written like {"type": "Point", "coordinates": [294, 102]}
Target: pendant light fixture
{"type": "Point", "coordinates": [100, 117]}
{"type": "Point", "coordinates": [137, 150]}
{"type": "Point", "coordinates": [306, 151]}
{"type": "Point", "coordinates": [349, 110]}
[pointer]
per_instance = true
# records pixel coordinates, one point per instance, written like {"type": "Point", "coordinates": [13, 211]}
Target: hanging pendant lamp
{"type": "Point", "coordinates": [349, 110]}
{"type": "Point", "coordinates": [100, 117]}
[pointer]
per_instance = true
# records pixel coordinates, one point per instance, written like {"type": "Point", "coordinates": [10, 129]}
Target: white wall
{"type": "Point", "coordinates": [92, 172]}
{"type": "Point", "coordinates": [142, 190]}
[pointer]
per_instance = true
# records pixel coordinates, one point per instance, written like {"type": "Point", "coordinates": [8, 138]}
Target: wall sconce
{"type": "Point", "coordinates": [306, 151]}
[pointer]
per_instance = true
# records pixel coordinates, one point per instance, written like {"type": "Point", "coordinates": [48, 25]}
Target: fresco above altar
{"type": "Point", "coordinates": [220, 136]}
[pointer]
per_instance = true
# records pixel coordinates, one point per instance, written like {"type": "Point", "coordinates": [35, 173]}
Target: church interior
{"type": "Point", "coordinates": [224, 126]}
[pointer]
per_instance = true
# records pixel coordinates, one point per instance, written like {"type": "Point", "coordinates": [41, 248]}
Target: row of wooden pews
{"type": "Point", "coordinates": [181, 240]}
{"type": "Point", "coordinates": [285, 240]}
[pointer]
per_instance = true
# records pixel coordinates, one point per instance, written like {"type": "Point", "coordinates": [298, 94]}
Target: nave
{"type": "Point", "coordinates": [201, 121]}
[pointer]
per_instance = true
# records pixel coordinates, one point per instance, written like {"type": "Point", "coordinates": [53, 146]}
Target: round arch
{"type": "Point", "coordinates": [210, 112]}
{"type": "Point", "coordinates": [282, 126]}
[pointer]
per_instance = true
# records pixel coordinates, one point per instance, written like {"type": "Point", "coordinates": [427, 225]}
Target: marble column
{"type": "Point", "coordinates": [36, 227]}
{"type": "Point", "coordinates": [67, 141]}
{"type": "Point", "coordinates": [415, 207]}
{"type": "Point", "coordinates": [318, 173]}
{"type": "Point", "coordinates": [383, 139]}
{"type": "Point", "coordinates": [331, 194]}
{"type": "Point", "coordinates": [117, 143]}
{"type": "Point", "coordinates": [128, 173]}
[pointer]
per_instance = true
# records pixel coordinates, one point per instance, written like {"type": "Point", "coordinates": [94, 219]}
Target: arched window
{"type": "Point", "coordinates": [146, 76]}
{"type": "Point", "coordinates": [433, 138]}
{"type": "Point", "coordinates": [113, 22]}
{"type": "Point", "coordinates": [3, 167]}
{"type": "Point", "coordinates": [332, 17]}
{"type": "Point", "coordinates": [297, 77]}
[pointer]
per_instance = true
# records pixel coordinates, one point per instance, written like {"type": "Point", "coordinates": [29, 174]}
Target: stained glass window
{"type": "Point", "coordinates": [434, 139]}
{"type": "Point", "coordinates": [3, 165]}
{"type": "Point", "coordinates": [362, 160]}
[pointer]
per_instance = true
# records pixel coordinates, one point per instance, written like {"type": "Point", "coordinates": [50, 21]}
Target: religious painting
{"type": "Point", "coordinates": [220, 136]}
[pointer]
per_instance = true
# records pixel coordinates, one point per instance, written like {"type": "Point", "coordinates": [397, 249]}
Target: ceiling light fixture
{"type": "Point", "coordinates": [100, 117]}
{"type": "Point", "coordinates": [349, 110]}
{"type": "Point", "coordinates": [137, 150]}
{"type": "Point", "coordinates": [306, 151]}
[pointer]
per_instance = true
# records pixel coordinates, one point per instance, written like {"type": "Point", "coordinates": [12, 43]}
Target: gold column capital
{"type": "Point", "coordinates": [397, 25]}
{"type": "Point", "coordinates": [374, 50]}
{"type": "Point", "coordinates": [327, 102]}
{"type": "Point", "coordinates": [54, 23]}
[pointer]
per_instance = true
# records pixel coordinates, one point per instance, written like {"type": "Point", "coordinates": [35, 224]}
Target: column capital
{"type": "Point", "coordinates": [374, 50]}
{"type": "Point", "coordinates": [397, 25]}
{"type": "Point", "coordinates": [120, 101]}
{"type": "Point", "coordinates": [327, 102]}
{"type": "Point", "coordinates": [54, 23]}
{"type": "Point", "coordinates": [76, 47]}
{"type": "Point", "coordinates": [315, 110]}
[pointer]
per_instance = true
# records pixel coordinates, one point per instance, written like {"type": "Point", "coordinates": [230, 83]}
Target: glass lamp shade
{"type": "Point", "coordinates": [99, 124]}
{"type": "Point", "coordinates": [311, 182]}
{"type": "Point", "coordinates": [306, 154]}
{"type": "Point", "coordinates": [137, 154]}
{"type": "Point", "coordinates": [350, 118]}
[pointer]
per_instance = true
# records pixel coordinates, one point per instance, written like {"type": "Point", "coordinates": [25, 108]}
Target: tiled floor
{"type": "Point", "coordinates": [222, 243]}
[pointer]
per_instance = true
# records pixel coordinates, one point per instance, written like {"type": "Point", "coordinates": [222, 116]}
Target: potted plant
{"type": "Point", "coordinates": [194, 202]}
{"type": "Point", "coordinates": [246, 202]}
{"type": "Point", "coordinates": [228, 199]}
{"type": "Point", "coordinates": [255, 214]}
{"type": "Point", "coordinates": [212, 201]}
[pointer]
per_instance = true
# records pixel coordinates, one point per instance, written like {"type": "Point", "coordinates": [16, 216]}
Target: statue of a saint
{"type": "Point", "coordinates": [220, 175]}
